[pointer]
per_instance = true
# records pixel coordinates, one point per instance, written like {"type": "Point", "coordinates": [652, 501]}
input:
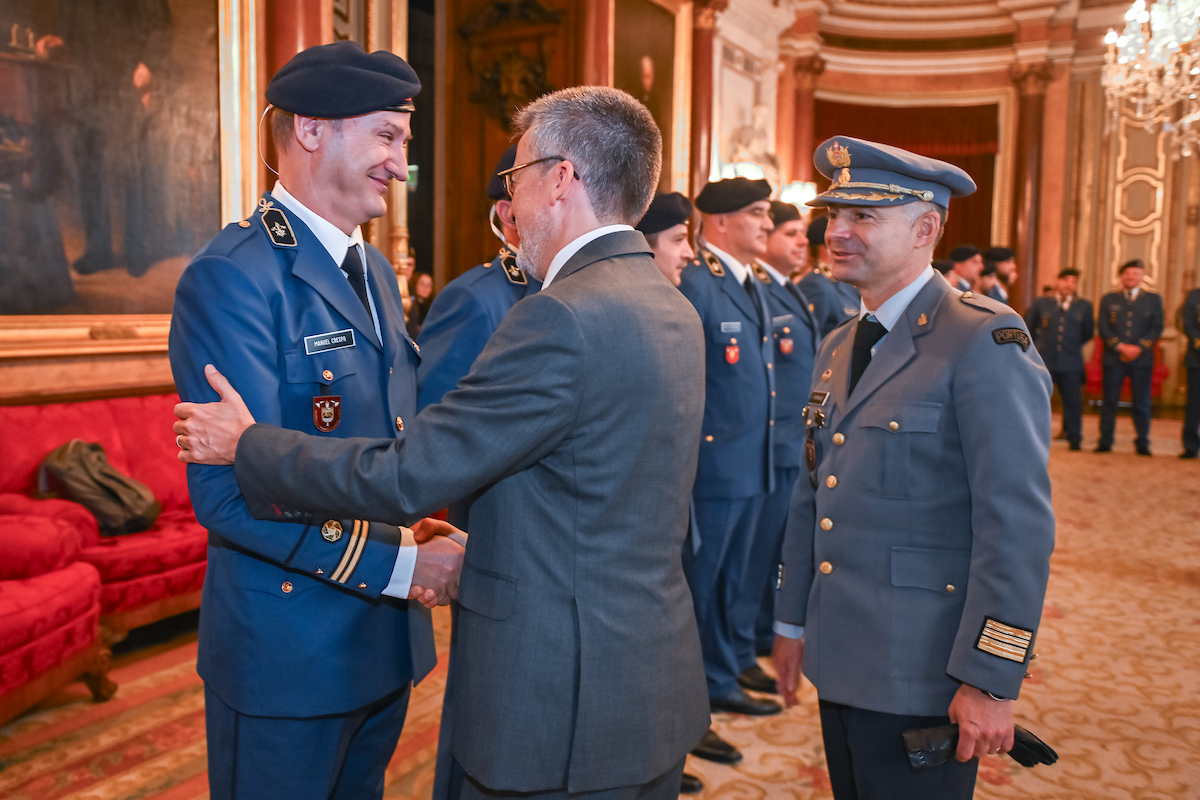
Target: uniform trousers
{"type": "Point", "coordinates": [1191, 418]}
{"type": "Point", "coordinates": [1139, 384]}
{"type": "Point", "coordinates": [758, 596]}
{"type": "Point", "coordinates": [867, 761]}
{"type": "Point", "coordinates": [716, 573]}
{"type": "Point", "coordinates": [340, 757]}
{"type": "Point", "coordinates": [1070, 392]}
{"type": "Point", "coordinates": [664, 787]}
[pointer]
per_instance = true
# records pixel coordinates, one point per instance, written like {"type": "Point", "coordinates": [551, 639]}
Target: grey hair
{"type": "Point", "coordinates": [914, 211]}
{"type": "Point", "coordinates": [608, 136]}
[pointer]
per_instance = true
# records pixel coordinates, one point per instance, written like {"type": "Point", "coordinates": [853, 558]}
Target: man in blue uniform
{"type": "Point", "coordinates": [736, 470]}
{"type": "Point", "coordinates": [1191, 419]}
{"type": "Point", "coordinates": [919, 539]}
{"type": "Point", "coordinates": [1005, 259]}
{"type": "Point", "coordinates": [1131, 322]}
{"type": "Point", "coordinates": [831, 301]}
{"type": "Point", "coordinates": [968, 265]}
{"type": "Point", "coordinates": [665, 228]}
{"type": "Point", "coordinates": [1061, 325]}
{"type": "Point", "coordinates": [795, 336]}
{"type": "Point", "coordinates": [786, 243]}
{"type": "Point", "coordinates": [308, 647]}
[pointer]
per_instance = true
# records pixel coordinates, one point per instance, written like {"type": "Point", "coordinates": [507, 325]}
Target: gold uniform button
{"type": "Point", "coordinates": [399, 423]}
{"type": "Point", "coordinates": [826, 567]}
{"type": "Point", "coordinates": [831, 481]}
{"type": "Point", "coordinates": [287, 587]}
{"type": "Point", "coordinates": [839, 438]}
{"type": "Point", "coordinates": [244, 224]}
{"type": "Point", "coordinates": [950, 588]}
{"type": "Point", "coordinates": [772, 422]}
{"type": "Point", "coordinates": [391, 370]}
{"type": "Point", "coordinates": [331, 531]}
{"type": "Point", "coordinates": [732, 340]}
{"type": "Point", "coordinates": [826, 524]}
{"type": "Point", "coordinates": [708, 438]}
{"type": "Point", "coordinates": [772, 394]}
{"type": "Point", "coordinates": [362, 586]}
{"type": "Point", "coordinates": [327, 375]}
{"type": "Point", "coordinates": [787, 330]}
{"type": "Point", "coordinates": [764, 340]}
{"type": "Point", "coordinates": [770, 366]}
{"type": "Point", "coordinates": [893, 425]}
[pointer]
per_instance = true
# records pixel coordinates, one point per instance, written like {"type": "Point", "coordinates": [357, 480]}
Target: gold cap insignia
{"type": "Point", "coordinates": [838, 155]}
{"type": "Point", "coordinates": [922, 320]}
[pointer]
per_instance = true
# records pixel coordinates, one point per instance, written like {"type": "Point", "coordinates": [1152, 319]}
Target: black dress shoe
{"type": "Point", "coordinates": [1143, 449]}
{"type": "Point", "coordinates": [690, 785]}
{"type": "Point", "coordinates": [1189, 455]}
{"type": "Point", "coordinates": [754, 679]}
{"type": "Point", "coordinates": [713, 748]}
{"type": "Point", "coordinates": [738, 702]}
{"type": "Point", "coordinates": [1103, 448]}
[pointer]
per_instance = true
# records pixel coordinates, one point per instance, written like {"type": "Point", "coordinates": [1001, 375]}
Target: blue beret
{"type": "Point", "coordinates": [964, 252]}
{"type": "Point", "coordinates": [816, 230]}
{"type": "Point", "coordinates": [871, 174]}
{"type": "Point", "coordinates": [339, 80]}
{"type": "Point", "coordinates": [496, 190]}
{"type": "Point", "coordinates": [666, 210]}
{"type": "Point", "coordinates": [782, 212]}
{"type": "Point", "coordinates": [731, 194]}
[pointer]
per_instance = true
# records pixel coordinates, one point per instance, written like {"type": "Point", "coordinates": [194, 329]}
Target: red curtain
{"type": "Point", "coordinates": [966, 136]}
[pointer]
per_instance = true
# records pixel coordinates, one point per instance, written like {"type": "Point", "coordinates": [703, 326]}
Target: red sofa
{"type": "Point", "coordinates": [144, 577]}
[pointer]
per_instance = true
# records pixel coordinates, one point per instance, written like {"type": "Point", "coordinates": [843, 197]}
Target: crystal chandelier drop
{"type": "Point", "coordinates": [1154, 67]}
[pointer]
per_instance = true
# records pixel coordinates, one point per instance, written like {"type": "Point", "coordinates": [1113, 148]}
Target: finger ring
{"type": "Point", "coordinates": [178, 443]}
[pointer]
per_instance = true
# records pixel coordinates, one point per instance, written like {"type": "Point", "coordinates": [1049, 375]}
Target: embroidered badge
{"type": "Point", "coordinates": [1003, 640]}
{"type": "Point", "coordinates": [327, 412]}
{"type": "Point", "coordinates": [324, 342]}
{"type": "Point", "coordinates": [714, 264]}
{"type": "Point", "coordinates": [508, 260]}
{"type": "Point", "coordinates": [731, 353]}
{"type": "Point", "coordinates": [838, 155]}
{"type": "Point", "coordinates": [1011, 336]}
{"type": "Point", "coordinates": [331, 531]}
{"type": "Point", "coordinates": [276, 223]}
{"type": "Point", "coordinates": [760, 273]}
{"type": "Point", "coordinates": [786, 346]}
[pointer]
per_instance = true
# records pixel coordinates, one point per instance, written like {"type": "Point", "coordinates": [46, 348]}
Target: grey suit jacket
{"type": "Point", "coordinates": [578, 659]}
{"type": "Point", "coordinates": [921, 558]}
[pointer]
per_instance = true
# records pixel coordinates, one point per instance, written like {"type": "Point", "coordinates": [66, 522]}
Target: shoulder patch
{"type": "Point", "coordinates": [1011, 336]}
{"type": "Point", "coordinates": [714, 264]}
{"type": "Point", "coordinates": [508, 260]}
{"type": "Point", "coordinates": [276, 222]}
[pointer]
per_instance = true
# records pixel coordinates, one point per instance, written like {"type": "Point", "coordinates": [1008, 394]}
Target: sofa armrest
{"type": "Point", "coordinates": [34, 545]}
{"type": "Point", "coordinates": [63, 511]}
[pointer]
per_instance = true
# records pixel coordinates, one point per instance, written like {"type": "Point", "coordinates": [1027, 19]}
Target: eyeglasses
{"type": "Point", "coordinates": [507, 174]}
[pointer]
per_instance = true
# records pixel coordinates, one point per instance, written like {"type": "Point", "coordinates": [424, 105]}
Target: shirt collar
{"type": "Point", "coordinates": [890, 310]}
{"type": "Point", "coordinates": [329, 235]}
{"type": "Point", "coordinates": [739, 270]}
{"type": "Point", "coordinates": [575, 245]}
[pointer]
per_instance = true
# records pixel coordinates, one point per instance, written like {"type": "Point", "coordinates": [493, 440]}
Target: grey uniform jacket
{"type": "Point", "coordinates": [923, 555]}
{"type": "Point", "coordinates": [578, 658]}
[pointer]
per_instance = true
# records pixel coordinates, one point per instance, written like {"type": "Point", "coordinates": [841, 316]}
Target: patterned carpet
{"type": "Point", "coordinates": [1114, 689]}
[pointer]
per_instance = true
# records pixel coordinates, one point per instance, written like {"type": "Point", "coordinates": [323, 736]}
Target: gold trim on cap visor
{"type": "Point", "coordinates": [920, 194]}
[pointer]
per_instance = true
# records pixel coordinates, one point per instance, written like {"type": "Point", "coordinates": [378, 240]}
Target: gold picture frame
{"type": "Point", "coordinates": [62, 355]}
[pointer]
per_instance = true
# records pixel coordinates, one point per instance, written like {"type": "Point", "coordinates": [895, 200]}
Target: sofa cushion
{"type": "Point", "coordinates": [142, 591]}
{"type": "Point", "coordinates": [32, 608]}
{"type": "Point", "coordinates": [34, 545]}
{"type": "Point", "coordinates": [172, 544]}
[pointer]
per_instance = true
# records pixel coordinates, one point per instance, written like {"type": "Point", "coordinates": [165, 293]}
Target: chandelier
{"type": "Point", "coordinates": [1154, 67]}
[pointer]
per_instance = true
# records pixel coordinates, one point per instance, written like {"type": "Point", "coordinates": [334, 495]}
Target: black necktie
{"type": "Point", "coordinates": [353, 268]}
{"type": "Point", "coordinates": [755, 297]}
{"type": "Point", "coordinates": [869, 332]}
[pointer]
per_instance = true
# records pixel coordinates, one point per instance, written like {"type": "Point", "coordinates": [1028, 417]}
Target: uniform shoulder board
{"type": "Point", "coordinates": [979, 301]}
{"type": "Point", "coordinates": [508, 260]}
{"type": "Point", "coordinates": [825, 271]}
{"type": "Point", "coordinates": [714, 264]}
{"type": "Point", "coordinates": [760, 273]}
{"type": "Point", "coordinates": [276, 222]}
{"type": "Point", "coordinates": [1011, 336]}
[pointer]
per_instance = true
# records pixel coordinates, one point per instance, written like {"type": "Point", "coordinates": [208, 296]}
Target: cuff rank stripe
{"type": "Point", "coordinates": [353, 552]}
{"type": "Point", "coordinates": [1005, 641]}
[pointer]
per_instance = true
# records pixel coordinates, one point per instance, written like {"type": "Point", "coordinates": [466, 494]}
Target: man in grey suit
{"type": "Point", "coordinates": [578, 667]}
{"type": "Point", "coordinates": [918, 545]}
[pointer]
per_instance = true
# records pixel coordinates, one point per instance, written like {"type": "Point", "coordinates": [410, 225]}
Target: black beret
{"type": "Point", "coordinates": [1133, 263]}
{"type": "Point", "coordinates": [731, 194]}
{"type": "Point", "coordinates": [666, 210]}
{"type": "Point", "coordinates": [816, 230]}
{"type": "Point", "coordinates": [989, 268]}
{"type": "Point", "coordinates": [339, 80]}
{"type": "Point", "coordinates": [1069, 273]}
{"type": "Point", "coordinates": [964, 252]}
{"type": "Point", "coordinates": [782, 212]}
{"type": "Point", "coordinates": [496, 189]}
{"type": "Point", "coordinates": [943, 265]}
{"type": "Point", "coordinates": [999, 254]}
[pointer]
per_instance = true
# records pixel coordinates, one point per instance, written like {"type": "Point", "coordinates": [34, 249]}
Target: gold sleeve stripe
{"type": "Point", "coordinates": [1004, 641]}
{"type": "Point", "coordinates": [988, 646]}
{"type": "Point", "coordinates": [1000, 627]}
{"type": "Point", "coordinates": [340, 573]}
{"type": "Point", "coordinates": [357, 545]}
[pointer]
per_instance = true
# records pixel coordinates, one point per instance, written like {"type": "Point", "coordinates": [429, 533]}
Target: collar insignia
{"type": "Point", "coordinates": [760, 273]}
{"type": "Point", "coordinates": [276, 223]}
{"type": "Point", "coordinates": [714, 264]}
{"type": "Point", "coordinates": [508, 260]}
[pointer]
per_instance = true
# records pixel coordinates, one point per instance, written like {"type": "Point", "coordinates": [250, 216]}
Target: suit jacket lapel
{"type": "Point", "coordinates": [314, 266]}
{"type": "Point", "coordinates": [618, 243]}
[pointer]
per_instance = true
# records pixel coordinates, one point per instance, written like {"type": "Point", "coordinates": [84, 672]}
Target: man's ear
{"type": "Point", "coordinates": [504, 212]}
{"type": "Point", "coordinates": [309, 131]}
{"type": "Point", "coordinates": [928, 227]}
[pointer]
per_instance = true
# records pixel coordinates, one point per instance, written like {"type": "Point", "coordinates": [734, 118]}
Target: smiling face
{"type": "Point", "coordinates": [879, 249]}
{"type": "Point", "coordinates": [786, 246]}
{"type": "Point", "coordinates": [1131, 277]}
{"type": "Point", "coordinates": [359, 158]}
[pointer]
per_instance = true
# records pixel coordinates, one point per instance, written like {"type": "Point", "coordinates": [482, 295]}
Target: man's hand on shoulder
{"type": "Point", "coordinates": [985, 724]}
{"type": "Point", "coordinates": [208, 433]}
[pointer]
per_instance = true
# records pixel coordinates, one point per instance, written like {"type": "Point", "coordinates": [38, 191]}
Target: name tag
{"type": "Point", "coordinates": [324, 342]}
{"type": "Point", "coordinates": [781, 320]}
{"type": "Point", "coordinates": [731, 327]}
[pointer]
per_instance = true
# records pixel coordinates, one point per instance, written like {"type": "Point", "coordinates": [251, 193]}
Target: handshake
{"type": "Point", "coordinates": [440, 550]}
